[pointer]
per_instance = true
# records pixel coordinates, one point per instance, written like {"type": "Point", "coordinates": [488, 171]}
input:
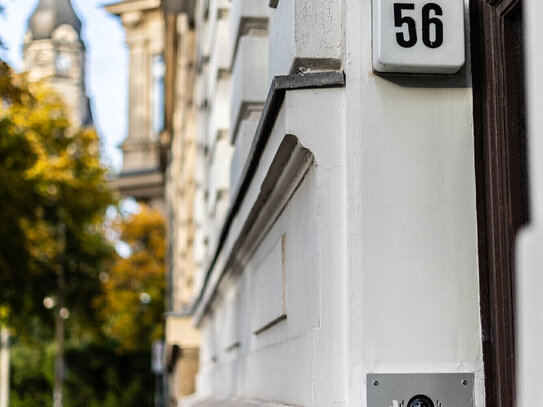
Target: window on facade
{"type": "Point", "coordinates": [158, 70]}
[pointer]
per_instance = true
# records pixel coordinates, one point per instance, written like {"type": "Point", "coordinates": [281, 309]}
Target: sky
{"type": "Point", "coordinates": [107, 64]}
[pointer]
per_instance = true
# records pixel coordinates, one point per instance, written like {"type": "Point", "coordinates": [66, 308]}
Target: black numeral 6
{"type": "Point", "coordinates": [430, 13]}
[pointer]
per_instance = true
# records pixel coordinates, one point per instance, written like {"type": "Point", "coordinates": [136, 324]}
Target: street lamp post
{"type": "Point", "coordinates": [4, 367]}
{"type": "Point", "coordinates": [158, 368]}
{"type": "Point", "coordinates": [59, 356]}
{"type": "Point", "coordinates": [61, 314]}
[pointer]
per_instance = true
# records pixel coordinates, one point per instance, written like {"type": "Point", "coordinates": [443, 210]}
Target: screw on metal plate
{"type": "Point", "coordinates": [375, 383]}
{"type": "Point", "coordinates": [465, 382]}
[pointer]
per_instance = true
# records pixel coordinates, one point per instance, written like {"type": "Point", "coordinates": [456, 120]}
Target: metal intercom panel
{"type": "Point", "coordinates": [420, 390]}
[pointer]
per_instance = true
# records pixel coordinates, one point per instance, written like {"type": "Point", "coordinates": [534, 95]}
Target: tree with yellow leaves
{"type": "Point", "coordinates": [132, 303]}
{"type": "Point", "coordinates": [53, 198]}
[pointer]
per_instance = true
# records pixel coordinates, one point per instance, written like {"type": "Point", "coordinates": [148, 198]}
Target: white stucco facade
{"type": "Point", "coordinates": [530, 333]}
{"type": "Point", "coordinates": [412, 248]}
{"type": "Point", "coordinates": [336, 211]}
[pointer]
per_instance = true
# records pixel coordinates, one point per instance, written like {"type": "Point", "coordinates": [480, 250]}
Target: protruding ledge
{"type": "Point", "coordinates": [280, 85]}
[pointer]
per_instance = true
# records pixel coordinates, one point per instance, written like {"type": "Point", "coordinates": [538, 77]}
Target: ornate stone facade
{"type": "Point", "coordinates": [179, 147]}
{"type": "Point", "coordinates": [160, 159]}
{"type": "Point", "coordinates": [141, 176]}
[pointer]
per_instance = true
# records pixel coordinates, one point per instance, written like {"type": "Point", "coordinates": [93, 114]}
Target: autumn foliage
{"type": "Point", "coordinates": [55, 254]}
{"type": "Point", "coordinates": [52, 183]}
{"type": "Point", "coordinates": [133, 294]}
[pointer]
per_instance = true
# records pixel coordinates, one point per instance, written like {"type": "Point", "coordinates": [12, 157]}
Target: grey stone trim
{"type": "Point", "coordinates": [276, 95]}
{"type": "Point", "coordinates": [178, 314]}
{"type": "Point", "coordinates": [246, 110]}
{"type": "Point", "coordinates": [255, 26]}
{"type": "Point", "coordinates": [188, 7]}
{"type": "Point", "coordinates": [137, 173]}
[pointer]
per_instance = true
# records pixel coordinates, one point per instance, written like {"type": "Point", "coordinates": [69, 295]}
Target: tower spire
{"type": "Point", "coordinates": [51, 14]}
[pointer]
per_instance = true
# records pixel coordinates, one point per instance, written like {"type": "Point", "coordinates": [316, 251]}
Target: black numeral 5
{"type": "Point", "coordinates": [400, 20]}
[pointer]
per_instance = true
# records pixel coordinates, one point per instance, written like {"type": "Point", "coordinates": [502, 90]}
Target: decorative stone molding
{"type": "Point", "coordinates": [288, 168]}
{"type": "Point", "coordinates": [301, 38]}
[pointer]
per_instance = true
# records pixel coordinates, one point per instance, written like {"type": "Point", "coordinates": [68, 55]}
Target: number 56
{"type": "Point", "coordinates": [427, 23]}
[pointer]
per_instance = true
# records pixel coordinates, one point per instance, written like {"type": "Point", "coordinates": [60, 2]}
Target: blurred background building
{"type": "Point", "coordinates": [159, 161]}
{"type": "Point", "coordinates": [141, 176]}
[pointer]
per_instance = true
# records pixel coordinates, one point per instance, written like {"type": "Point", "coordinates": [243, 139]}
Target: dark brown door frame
{"type": "Point", "coordinates": [501, 198]}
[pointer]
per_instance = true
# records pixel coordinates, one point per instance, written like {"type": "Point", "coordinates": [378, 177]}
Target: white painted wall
{"type": "Point", "coordinates": [378, 269]}
{"type": "Point", "coordinates": [288, 330]}
{"type": "Point", "coordinates": [213, 97]}
{"type": "Point", "coordinates": [306, 35]}
{"type": "Point", "coordinates": [413, 298]}
{"type": "Point", "coordinates": [242, 146]}
{"type": "Point", "coordinates": [530, 243]}
{"type": "Point", "coordinates": [249, 78]}
{"type": "Point", "coordinates": [247, 17]}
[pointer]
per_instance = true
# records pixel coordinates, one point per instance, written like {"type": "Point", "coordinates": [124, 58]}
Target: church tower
{"type": "Point", "coordinates": [54, 52]}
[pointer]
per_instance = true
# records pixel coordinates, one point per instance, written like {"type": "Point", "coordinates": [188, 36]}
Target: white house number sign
{"type": "Point", "coordinates": [418, 36]}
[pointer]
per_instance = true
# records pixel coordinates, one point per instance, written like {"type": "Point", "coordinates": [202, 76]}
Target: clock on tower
{"type": "Point", "coordinates": [63, 63]}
